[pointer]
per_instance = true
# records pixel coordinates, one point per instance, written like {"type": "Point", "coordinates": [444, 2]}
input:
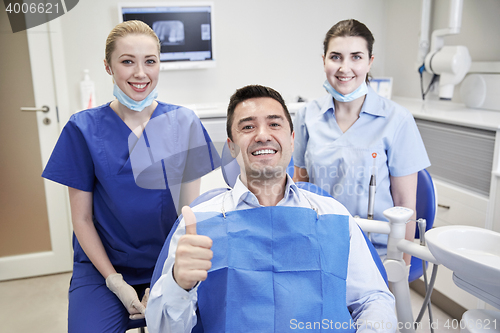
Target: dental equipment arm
{"type": "Point", "coordinates": [379, 227]}
{"type": "Point", "coordinates": [397, 271]}
{"type": "Point", "coordinates": [398, 243]}
{"type": "Point", "coordinates": [404, 194]}
{"type": "Point", "coordinates": [451, 63]}
{"type": "Point", "coordinates": [423, 44]}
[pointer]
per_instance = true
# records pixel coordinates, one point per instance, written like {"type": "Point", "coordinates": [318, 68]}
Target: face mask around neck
{"type": "Point", "coordinates": [130, 103]}
{"type": "Point", "coordinates": [361, 91]}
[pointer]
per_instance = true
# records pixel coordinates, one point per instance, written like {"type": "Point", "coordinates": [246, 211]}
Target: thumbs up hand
{"type": "Point", "coordinates": [189, 220]}
{"type": "Point", "coordinates": [193, 255]}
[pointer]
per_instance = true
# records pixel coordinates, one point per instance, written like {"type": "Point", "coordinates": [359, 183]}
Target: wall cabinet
{"type": "Point", "coordinates": [463, 146]}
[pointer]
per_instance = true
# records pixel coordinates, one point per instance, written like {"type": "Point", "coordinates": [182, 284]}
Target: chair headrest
{"type": "Point", "coordinates": [230, 167]}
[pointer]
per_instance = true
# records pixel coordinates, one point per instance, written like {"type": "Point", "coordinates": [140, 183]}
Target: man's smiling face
{"type": "Point", "coordinates": [262, 139]}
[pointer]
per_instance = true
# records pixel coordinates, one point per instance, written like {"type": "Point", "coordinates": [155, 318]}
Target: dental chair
{"type": "Point", "coordinates": [398, 245]}
{"type": "Point", "coordinates": [230, 172]}
{"type": "Point", "coordinates": [426, 208]}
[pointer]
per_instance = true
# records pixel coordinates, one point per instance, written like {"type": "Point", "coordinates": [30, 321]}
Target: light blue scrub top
{"type": "Point", "coordinates": [342, 163]}
{"type": "Point", "coordinates": [95, 154]}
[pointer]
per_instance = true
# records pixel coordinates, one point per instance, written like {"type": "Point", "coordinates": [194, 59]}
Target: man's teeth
{"type": "Point", "coordinates": [139, 86]}
{"type": "Point", "coordinates": [264, 151]}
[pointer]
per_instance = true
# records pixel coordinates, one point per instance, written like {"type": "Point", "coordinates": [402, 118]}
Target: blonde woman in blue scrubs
{"type": "Point", "coordinates": [120, 217]}
{"type": "Point", "coordinates": [338, 135]}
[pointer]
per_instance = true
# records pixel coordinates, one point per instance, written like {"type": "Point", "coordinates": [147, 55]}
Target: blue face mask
{"type": "Point", "coordinates": [361, 91]}
{"type": "Point", "coordinates": [130, 103]}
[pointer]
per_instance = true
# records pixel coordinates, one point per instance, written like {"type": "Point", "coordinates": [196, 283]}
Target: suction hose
{"type": "Point", "coordinates": [428, 286]}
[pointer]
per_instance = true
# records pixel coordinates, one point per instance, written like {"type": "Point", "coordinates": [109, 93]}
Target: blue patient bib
{"type": "Point", "coordinates": [276, 269]}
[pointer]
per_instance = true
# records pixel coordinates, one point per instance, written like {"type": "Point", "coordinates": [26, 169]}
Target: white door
{"type": "Point", "coordinates": [35, 236]}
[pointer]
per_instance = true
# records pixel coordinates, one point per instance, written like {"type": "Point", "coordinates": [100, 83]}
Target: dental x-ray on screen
{"type": "Point", "coordinates": [184, 29]}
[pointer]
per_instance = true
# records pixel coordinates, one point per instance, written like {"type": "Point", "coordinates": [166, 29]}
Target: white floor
{"type": "Point", "coordinates": [39, 305]}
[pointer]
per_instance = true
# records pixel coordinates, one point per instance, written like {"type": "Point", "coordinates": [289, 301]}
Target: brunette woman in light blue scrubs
{"type": "Point", "coordinates": [343, 137]}
{"type": "Point", "coordinates": [128, 164]}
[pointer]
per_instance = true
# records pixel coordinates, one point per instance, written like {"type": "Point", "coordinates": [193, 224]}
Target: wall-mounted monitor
{"type": "Point", "coordinates": [185, 30]}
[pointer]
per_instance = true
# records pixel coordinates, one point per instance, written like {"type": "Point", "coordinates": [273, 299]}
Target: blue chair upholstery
{"type": "Point", "coordinates": [426, 209]}
{"type": "Point", "coordinates": [230, 167]}
{"type": "Point", "coordinates": [141, 323]}
{"type": "Point", "coordinates": [207, 196]}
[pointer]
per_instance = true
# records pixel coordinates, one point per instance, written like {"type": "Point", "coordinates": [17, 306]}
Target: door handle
{"type": "Point", "coordinates": [44, 109]}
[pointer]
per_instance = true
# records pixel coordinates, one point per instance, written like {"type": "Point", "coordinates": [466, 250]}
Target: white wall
{"type": "Point", "coordinates": [479, 32]}
{"type": "Point", "coordinates": [279, 43]}
{"type": "Point", "coordinates": [270, 42]}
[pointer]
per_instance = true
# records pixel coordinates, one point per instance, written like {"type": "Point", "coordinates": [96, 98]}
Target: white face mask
{"type": "Point", "coordinates": [361, 91]}
{"type": "Point", "coordinates": [130, 103]}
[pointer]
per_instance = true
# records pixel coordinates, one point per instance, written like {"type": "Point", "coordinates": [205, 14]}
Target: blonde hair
{"type": "Point", "coordinates": [124, 29]}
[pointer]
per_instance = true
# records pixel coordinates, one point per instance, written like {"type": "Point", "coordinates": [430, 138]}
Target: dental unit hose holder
{"type": "Point", "coordinates": [398, 217]}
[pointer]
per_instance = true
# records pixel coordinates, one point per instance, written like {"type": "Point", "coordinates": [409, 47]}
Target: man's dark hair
{"type": "Point", "coordinates": [253, 91]}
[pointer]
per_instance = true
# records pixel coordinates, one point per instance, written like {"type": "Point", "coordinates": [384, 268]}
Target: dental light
{"type": "Point", "coordinates": [451, 63]}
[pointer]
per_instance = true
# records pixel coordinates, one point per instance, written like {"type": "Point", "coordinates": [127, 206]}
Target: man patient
{"type": "Point", "coordinates": [267, 256]}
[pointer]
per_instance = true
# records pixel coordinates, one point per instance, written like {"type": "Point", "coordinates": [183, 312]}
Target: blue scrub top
{"type": "Point", "coordinates": [342, 163]}
{"type": "Point", "coordinates": [95, 153]}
